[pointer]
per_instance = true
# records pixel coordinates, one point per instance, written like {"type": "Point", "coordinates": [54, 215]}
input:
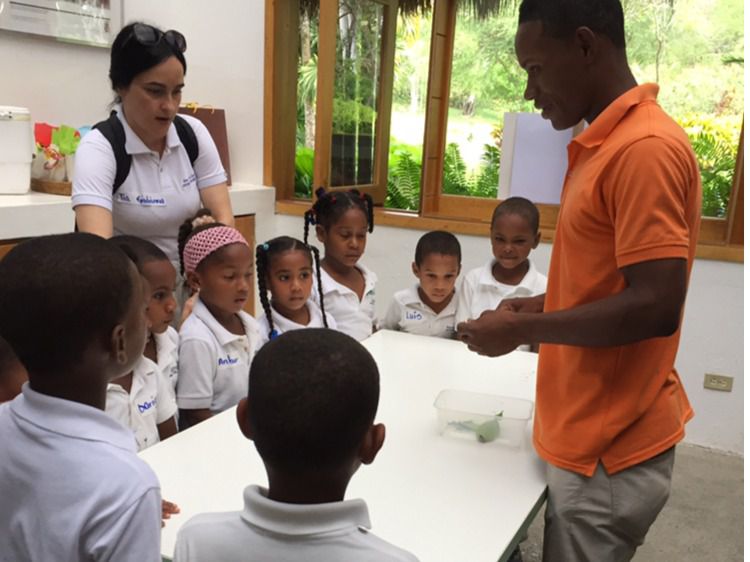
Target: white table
{"type": "Point", "coordinates": [440, 497]}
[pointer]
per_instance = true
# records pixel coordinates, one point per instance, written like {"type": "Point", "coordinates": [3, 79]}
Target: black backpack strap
{"type": "Point", "coordinates": [114, 132]}
{"type": "Point", "coordinates": [187, 138]}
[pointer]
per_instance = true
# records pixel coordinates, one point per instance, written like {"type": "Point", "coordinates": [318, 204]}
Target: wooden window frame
{"type": "Point", "coordinates": [329, 10]}
{"type": "Point", "coordinates": [719, 238]}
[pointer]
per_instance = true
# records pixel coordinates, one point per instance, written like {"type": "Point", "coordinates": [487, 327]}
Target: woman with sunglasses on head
{"type": "Point", "coordinates": [165, 172]}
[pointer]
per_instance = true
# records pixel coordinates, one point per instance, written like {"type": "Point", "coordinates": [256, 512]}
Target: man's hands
{"type": "Point", "coordinates": [496, 332]}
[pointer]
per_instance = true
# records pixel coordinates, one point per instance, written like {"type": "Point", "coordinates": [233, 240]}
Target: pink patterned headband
{"type": "Point", "coordinates": [206, 242]}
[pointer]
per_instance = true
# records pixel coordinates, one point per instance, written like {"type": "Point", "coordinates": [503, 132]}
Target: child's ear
{"type": "Point", "coordinates": [194, 281]}
{"type": "Point", "coordinates": [242, 420]}
{"type": "Point", "coordinates": [320, 233]}
{"type": "Point", "coordinates": [537, 239]}
{"type": "Point", "coordinates": [118, 345]}
{"type": "Point", "coordinates": [415, 269]}
{"type": "Point", "coordinates": [371, 443]}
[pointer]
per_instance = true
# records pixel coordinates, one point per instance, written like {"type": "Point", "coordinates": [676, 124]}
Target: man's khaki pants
{"type": "Point", "coordinates": [603, 518]}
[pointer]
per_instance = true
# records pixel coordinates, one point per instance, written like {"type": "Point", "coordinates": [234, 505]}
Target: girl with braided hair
{"type": "Point", "coordinates": [285, 270]}
{"type": "Point", "coordinates": [342, 220]}
{"type": "Point", "coordinates": [218, 340]}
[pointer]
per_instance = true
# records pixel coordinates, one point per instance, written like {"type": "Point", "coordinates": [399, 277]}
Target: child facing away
{"type": "Point", "coordinates": [514, 232]}
{"type": "Point", "coordinates": [310, 410]}
{"type": "Point", "coordinates": [12, 373]}
{"type": "Point", "coordinates": [285, 269]}
{"type": "Point", "coordinates": [71, 484]}
{"type": "Point", "coordinates": [219, 339]}
{"type": "Point", "coordinates": [144, 399]}
{"type": "Point", "coordinates": [428, 308]}
{"type": "Point", "coordinates": [342, 220]}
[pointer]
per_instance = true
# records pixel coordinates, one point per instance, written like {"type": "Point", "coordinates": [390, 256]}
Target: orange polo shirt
{"type": "Point", "coordinates": [632, 194]}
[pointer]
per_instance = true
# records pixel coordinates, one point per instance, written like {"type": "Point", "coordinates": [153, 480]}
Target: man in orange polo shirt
{"type": "Point", "coordinates": [610, 405]}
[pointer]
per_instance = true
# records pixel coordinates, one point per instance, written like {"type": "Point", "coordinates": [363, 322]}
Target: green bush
{"type": "Point", "coordinates": [303, 172]}
{"type": "Point", "coordinates": [350, 116]}
{"type": "Point", "coordinates": [715, 141]}
{"type": "Point", "coordinates": [404, 176]}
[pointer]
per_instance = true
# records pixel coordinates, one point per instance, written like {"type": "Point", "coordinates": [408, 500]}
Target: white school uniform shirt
{"type": "Point", "coordinates": [407, 313]}
{"type": "Point", "coordinates": [214, 363]}
{"type": "Point", "coordinates": [480, 291]}
{"type": "Point", "coordinates": [71, 485]}
{"type": "Point", "coordinates": [282, 324]}
{"type": "Point", "coordinates": [353, 317]}
{"type": "Point", "coordinates": [148, 403]}
{"type": "Point", "coordinates": [285, 532]}
{"type": "Point", "coordinates": [159, 193]}
{"type": "Point", "coordinates": [167, 354]}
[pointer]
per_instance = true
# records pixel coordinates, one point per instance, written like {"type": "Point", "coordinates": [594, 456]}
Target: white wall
{"type": "Point", "coordinates": [65, 83]}
{"type": "Point", "coordinates": [712, 334]}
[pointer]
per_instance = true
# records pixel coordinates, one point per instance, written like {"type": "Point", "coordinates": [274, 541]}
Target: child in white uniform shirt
{"type": "Point", "coordinates": [285, 269]}
{"type": "Point", "coordinates": [342, 220]}
{"type": "Point", "coordinates": [429, 307]}
{"type": "Point", "coordinates": [219, 339]}
{"type": "Point", "coordinates": [157, 269]}
{"type": "Point", "coordinates": [514, 232]}
{"type": "Point", "coordinates": [144, 400]}
{"type": "Point", "coordinates": [310, 409]}
{"type": "Point", "coordinates": [72, 307]}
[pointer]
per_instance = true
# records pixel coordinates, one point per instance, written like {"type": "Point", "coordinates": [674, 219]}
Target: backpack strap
{"type": "Point", "coordinates": [114, 132]}
{"type": "Point", "coordinates": [187, 138]}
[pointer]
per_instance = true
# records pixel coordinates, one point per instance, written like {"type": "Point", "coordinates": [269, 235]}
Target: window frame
{"type": "Point", "coordinates": [719, 238]}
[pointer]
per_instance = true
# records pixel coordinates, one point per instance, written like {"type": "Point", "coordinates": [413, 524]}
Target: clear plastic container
{"type": "Point", "coordinates": [483, 417]}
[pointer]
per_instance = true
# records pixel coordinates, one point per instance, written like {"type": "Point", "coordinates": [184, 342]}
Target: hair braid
{"type": "Point", "coordinates": [309, 219]}
{"type": "Point", "coordinates": [316, 255]}
{"type": "Point", "coordinates": [261, 267]}
{"type": "Point", "coordinates": [370, 211]}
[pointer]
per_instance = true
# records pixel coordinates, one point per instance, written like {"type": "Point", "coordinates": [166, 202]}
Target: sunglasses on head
{"type": "Point", "coordinates": [148, 36]}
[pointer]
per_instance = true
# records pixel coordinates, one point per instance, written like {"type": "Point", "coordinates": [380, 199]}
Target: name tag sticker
{"type": "Point", "coordinates": [149, 200]}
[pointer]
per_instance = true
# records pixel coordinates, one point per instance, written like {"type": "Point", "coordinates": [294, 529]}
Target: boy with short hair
{"type": "Point", "coordinates": [310, 408]}
{"type": "Point", "coordinates": [428, 308]}
{"type": "Point", "coordinates": [72, 306]}
{"type": "Point", "coordinates": [514, 232]}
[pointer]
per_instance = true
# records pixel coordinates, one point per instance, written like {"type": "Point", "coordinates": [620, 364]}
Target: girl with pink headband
{"type": "Point", "coordinates": [219, 339]}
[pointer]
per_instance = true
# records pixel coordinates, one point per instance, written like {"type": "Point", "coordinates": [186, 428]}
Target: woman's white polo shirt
{"type": "Point", "coordinates": [214, 363]}
{"type": "Point", "coordinates": [159, 193]}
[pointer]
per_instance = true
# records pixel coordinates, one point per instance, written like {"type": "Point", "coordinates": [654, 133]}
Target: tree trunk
{"type": "Point", "coordinates": [306, 55]}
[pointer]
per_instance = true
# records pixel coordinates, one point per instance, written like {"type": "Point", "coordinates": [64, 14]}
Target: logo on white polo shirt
{"type": "Point", "coordinates": [413, 315]}
{"type": "Point", "coordinates": [228, 361]}
{"type": "Point", "coordinates": [146, 406]}
{"type": "Point", "coordinates": [188, 181]}
{"type": "Point", "coordinates": [123, 197]}
{"type": "Point", "coordinates": [146, 200]}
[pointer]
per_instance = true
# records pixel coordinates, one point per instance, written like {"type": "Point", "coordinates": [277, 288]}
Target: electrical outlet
{"type": "Point", "coordinates": [718, 382]}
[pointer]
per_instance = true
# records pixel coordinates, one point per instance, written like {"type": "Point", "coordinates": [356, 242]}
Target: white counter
{"type": "Point", "coordinates": [37, 214]}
